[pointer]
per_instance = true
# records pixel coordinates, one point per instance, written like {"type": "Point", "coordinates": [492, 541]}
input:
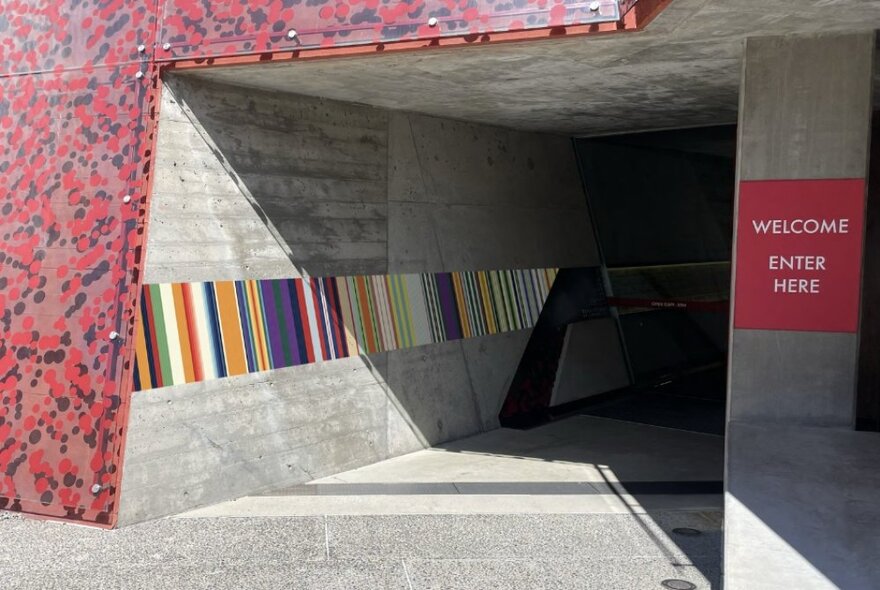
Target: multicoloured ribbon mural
{"type": "Point", "coordinates": [192, 332]}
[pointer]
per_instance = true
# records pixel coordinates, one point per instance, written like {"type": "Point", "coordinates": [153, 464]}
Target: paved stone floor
{"type": "Point", "coordinates": [584, 503]}
{"type": "Point", "coordinates": [407, 552]}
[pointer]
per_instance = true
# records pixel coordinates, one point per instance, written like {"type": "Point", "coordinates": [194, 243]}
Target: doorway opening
{"type": "Point", "coordinates": [662, 205]}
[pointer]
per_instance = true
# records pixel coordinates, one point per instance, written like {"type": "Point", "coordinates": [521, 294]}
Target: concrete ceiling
{"type": "Point", "coordinates": [682, 71]}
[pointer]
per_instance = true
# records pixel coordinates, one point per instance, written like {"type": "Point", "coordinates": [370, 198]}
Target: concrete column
{"type": "Point", "coordinates": [802, 509]}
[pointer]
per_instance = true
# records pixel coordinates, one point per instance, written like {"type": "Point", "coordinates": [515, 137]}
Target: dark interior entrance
{"type": "Point", "coordinates": [662, 207]}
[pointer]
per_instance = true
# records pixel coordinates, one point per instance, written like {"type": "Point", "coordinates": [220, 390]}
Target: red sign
{"type": "Point", "coordinates": [799, 255]}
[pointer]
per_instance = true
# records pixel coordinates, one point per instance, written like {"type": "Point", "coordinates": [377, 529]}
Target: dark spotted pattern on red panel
{"type": "Point", "coordinates": [54, 35]}
{"type": "Point", "coordinates": [75, 143]}
{"type": "Point", "coordinates": [202, 28]}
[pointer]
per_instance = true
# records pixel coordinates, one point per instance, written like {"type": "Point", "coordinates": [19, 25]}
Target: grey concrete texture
{"type": "Point", "coordinates": [449, 391]}
{"type": "Point", "coordinates": [801, 508]}
{"type": "Point", "coordinates": [395, 552]}
{"type": "Point", "coordinates": [473, 197]}
{"type": "Point", "coordinates": [793, 377]}
{"type": "Point", "coordinates": [428, 236]}
{"type": "Point", "coordinates": [579, 465]}
{"type": "Point", "coordinates": [262, 185]}
{"type": "Point", "coordinates": [255, 185]}
{"type": "Point", "coordinates": [592, 362]}
{"type": "Point", "coordinates": [683, 70]}
{"type": "Point", "coordinates": [561, 537]}
{"type": "Point", "coordinates": [197, 196]}
{"type": "Point", "coordinates": [432, 384]}
{"type": "Point", "coordinates": [454, 390]}
{"type": "Point", "coordinates": [198, 444]}
{"type": "Point", "coordinates": [451, 162]}
{"type": "Point", "coordinates": [490, 367]}
{"type": "Point", "coordinates": [585, 574]}
{"type": "Point", "coordinates": [580, 448]}
{"type": "Point", "coordinates": [806, 106]}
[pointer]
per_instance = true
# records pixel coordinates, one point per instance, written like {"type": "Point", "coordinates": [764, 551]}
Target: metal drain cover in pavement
{"type": "Point", "coordinates": [687, 532]}
{"type": "Point", "coordinates": [678, 585]}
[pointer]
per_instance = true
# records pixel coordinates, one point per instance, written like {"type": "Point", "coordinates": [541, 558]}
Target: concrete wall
{"type": "Point", "coordinates": [258, 185]}
{"type": "Point", "coordinates": [591, 362]}
{"type": "Point", "coordinates": [471, 197]}
{"type": "Point", "coordinates": [255, 185]}
{"type": "Point", "coordinates": [801, 507]}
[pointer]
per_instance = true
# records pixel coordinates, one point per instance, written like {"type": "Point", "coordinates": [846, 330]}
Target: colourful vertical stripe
{"type": "Point", "coordinates": [191, 332]}
{"type": "Point", "coordinates": [183, 333]}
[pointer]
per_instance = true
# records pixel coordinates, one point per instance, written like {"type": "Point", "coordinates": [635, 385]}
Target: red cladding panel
{"type": "Point", "coordinates": [74, 142]}
{"type": "Point", "coordinates": [69, 250]}
{"type": "Point", "coordinates": [213, 28]}
{"type": "Point", "coordinates": [54, 35]}
{"type": "Point", "coordinates": [799, 255]}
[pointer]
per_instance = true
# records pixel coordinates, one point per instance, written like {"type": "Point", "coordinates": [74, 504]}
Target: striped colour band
{"type": "Point", "coordinates": [191, 332]}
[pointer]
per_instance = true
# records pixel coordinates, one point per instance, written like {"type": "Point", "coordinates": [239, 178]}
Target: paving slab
{"type": "Point", "coordinates": [310, 575]}
{"type": "Point", "coordinates": [161, 543]}
{"type": "Point", "coordinates": [536, 510]}
{"type": "Point", "coordinates": [585, 574]}
{"type": "Point", "coordinates": [544, 536]}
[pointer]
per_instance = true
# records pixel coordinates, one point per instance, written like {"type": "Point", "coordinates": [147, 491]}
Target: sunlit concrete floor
{"type": "Point", "coordinates": [578, 465]}
{"type": "Point", "coordinates": [581, 503]}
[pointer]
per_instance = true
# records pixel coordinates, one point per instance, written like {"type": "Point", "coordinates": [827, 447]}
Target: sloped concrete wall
{"type": "Point", "coordinates": [264, 185]}
{"type": "Point", "coordinates": [591, 362]}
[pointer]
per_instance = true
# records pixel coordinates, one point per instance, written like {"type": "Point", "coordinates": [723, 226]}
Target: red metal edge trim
{"type": "Point", "coordinates": [148, 176]}
{"type": "Point", "coordinates": [634, 21]}
{"type": "Point", "coordinates": [645, 11]}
